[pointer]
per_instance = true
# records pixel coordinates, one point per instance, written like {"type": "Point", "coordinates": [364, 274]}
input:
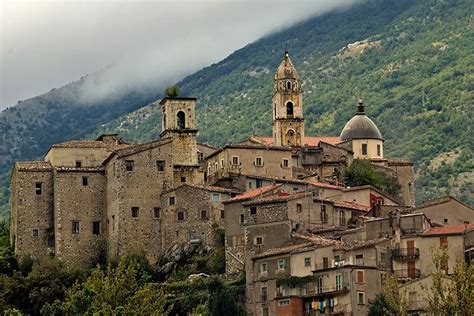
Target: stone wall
{"type": "Point", "coordinates": [79, 196]}
{"type": "Point", "coordinates": [32, 213]}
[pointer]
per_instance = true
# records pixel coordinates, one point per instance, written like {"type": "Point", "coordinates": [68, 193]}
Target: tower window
{"type": "Point", "coordinates": [364, 149]}
{"type": "Point", "coordinates": [289, 86]}
{"type": "Point", "coordinates": [289, 108]}
{"type": "Point", "coordinates": [181, 120]}
{"type": "Point", "coordinates": [203, 214]}
{"type": "Point", "coordinates": [39, 188]}
{"type": "Point", "coordinates": [85, 181]}
{"type": "Point", "coordinates": [96, 227]}
{"type": "Point", "coordinates": [75, 227]}
{"type": "Point", "coordinates": [180, 216]}
{"type": "Point", "coordinates": [78, 163]}
{"type": "Point", "coordinates": [135, 212]}
{"type": "Point", "coordinates": [156, 212]}
{"type": "Point", "coordinates": [129, 165]}
{"type": "Point", "coordinates": [379, 150]}
{"type": "Point", "coordinates": [160, 165]}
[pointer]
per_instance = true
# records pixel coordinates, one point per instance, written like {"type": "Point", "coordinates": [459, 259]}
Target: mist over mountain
{"type": "Point", "coordinates": [411, 64]}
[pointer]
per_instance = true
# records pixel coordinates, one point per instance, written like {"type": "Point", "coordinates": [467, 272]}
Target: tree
{"type": "Point", "coordinates": [391, 301]}
{"type": "Point", "coordinates": [172, 91]}
{"type": "Point", "coordinates": [450, 294]}
{"type": "Point", "coordinates": [362, 172]}
{"type": "Point", "coordinates": [123, 289]}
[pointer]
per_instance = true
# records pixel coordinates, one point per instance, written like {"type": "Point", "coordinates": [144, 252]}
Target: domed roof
{"type": "Point", "coordinates": [286, 70]}
{"type": "Point", "coordinates": [360, 127]}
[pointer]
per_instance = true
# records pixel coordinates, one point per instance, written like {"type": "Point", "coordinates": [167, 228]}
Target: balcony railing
{"type": "Point", "coordinates": [310, 290]}
{"type": "Point", "coordinates": [408, 273]}
{"type": "Point", "coordinates": [405, 253]}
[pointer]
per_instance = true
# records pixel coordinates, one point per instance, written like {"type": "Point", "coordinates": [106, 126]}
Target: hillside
{"type": "Point", "coordinates": [412, 66]}
{"type": "Point", "coordinates": [411, 62]}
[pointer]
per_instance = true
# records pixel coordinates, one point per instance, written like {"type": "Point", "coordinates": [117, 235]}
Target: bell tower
{"type": "Point", "coordinates": [288, 118]}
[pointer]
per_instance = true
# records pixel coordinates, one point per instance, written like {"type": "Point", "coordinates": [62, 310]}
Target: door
{"type": "Point", "coordinates": [411, 269]}
{"type": "Point", "coordinates": [410, 247]}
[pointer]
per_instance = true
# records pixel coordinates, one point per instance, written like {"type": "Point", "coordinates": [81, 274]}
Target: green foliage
{"type": "Point", "coordinates": [172, 91]}
{"type": "Point", "coordinates": [379, 306]}
{"type": "Point", "coordinates": [293, 281]}
{"type": "Point", "coordinates": [116, 290]}
{"type": "Point", "coordinates": [362, 172]}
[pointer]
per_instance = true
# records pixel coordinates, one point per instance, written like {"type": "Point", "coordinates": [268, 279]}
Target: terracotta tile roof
{"type": "Point", "coordinates": [301, 243]}
{"type": "Point", "coordinates": [205, 187]}
{"type": "Point", "coordinates": [448, 230]}
{"type": "Point", "coordinates": [357, 244]}
{"type": "Point", "coordinates": [352, 205]}
{"type": "Point", "coordinates": [279, 196]}
{"type": "Point", "coordinates": [33, 166]}
{"type": "Point", "coordinates": [440, 200]}
{"type": "Point", "coordinates": [309, 140]}
{"type": "Point", "coordinates": [323, 185]}
{"type": "Point", "coordinates": [81, 144]}
{"type": "Point", "coordinates": [81, 169]}
{"type": "Point", "coordinates": [253, 193]}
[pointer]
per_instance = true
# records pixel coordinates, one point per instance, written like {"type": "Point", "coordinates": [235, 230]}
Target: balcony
{"type": "Point", "coordinates": [310, 290]}
{"type": "Point", "coordinates": [405, 253]}
{"type": "Point", "coordinates": [407, 274]}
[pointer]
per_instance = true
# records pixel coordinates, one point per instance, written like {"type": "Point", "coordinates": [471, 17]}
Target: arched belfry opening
{"type": "Point", "coordinates": [289, 109]}
{"type": "Point", "coordinates": [289, 86]}
{"type": "Point", "coordinates": [181, 120]}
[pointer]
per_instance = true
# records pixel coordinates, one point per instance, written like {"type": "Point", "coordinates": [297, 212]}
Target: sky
{"type": "Point", "coordinates": [46, 44]}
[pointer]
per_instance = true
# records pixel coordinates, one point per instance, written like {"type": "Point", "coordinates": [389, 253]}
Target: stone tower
{"type": "Point", "coordinates": [178, 121]}
{"type": "Point", "coordinates": [288, 119]}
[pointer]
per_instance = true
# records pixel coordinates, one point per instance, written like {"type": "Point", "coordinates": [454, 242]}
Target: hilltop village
{"type": "Point", "coordinates": [307, 243]}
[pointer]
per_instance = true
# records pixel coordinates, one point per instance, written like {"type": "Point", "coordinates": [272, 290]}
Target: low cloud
{"type": "Point", "coordinates": [46, 44]}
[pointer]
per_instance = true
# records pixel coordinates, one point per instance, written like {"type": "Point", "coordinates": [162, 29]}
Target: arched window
{"type": "Point", "coordinates": [289, 109]}
{"type": "Point", "coordinates": [181, 120]}
{"type": "Point", "coordinates": [290, 137]}
{"type": "Point", "coordinates": [289, 85]}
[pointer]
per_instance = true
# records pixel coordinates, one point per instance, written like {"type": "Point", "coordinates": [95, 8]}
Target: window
{"type": "Point", "coordinates": [289, 108]}
{"type": "Point", "coordinates": [283, 302]}
{"type": "Point", "coordinates": [96, 227]}
{"type": "Point", "coordinates": [156, 212]}
{"type": "Point", "coordinates": [326, 262]}
{"type": "Point", "coordinates": [181, 120]}
{"type": "Point", "coordinates": [359, 259]}
{"type": "Point", "coordinates": [364, 149]}
{"type": "Point", "coordinates": [299, 208]}
{"type": "Point", "coordinates": [258, 161]}
{"type": "Point", "coordinates": [135, 212]}
{"type": "Point", "coordinates": [160, 165]}
{"type": "Point", "coordinates": [250, 184]}
{"type": "Point", "coordinates": [285, 163]}
{"type": "Point", "coordinates": [172, 200]}
{"type": "Point", "coordinates": [288, 85]}
{"type": "Point", "coordinates": [281, 264]}
{"type": "Point", "coordinates": [85, 181]}
{"type": "Point", "coordinates": [265, 311]}
{"type": "Point", "coordinates": [129, 165]}
{"type": "Point", "coordinates": [258, 241]}
{"type": "Point", "coordinates": [235, 160]}
{"type": "Point", "coordinates": [203, 214]}
{"type": "Point", "coordinates": [360, 276]}
{"type": "Point", "coordinates": [319, 285]}
{"type": "Point", "coordinates": [180, 216]}
{"type": "Point", "coordinates": [342, 218]}
{"type": "Point", "coordinates": [209, 169]}
{"type": "Point", "coordinates": [361, 298]}
{"type": "Point", "coordinates": [200, 156]}
{"type": "Point", "coordinates": [183, 179]}
{"type": "Point", "coordinates": [222, 163]}
{"type": "Point", "coordinates": [264, 294]}
{"type": "Point", "coordinates": [216, 167]}
{"type": "Point", "coordinates": [78, 164]}
{"type": "Point", "coordinates": [253, 210]}
{"type": "Point", "coordinates": [324, 217]}
{"type": "Point", "coordinates": [258, 183]}
{"type": "Point", "coordinates": [445, 220]}
{"type": "Point", "coordinates": [382, 258]}
{"type": "Point", "coordinates": [338, 282]}
{"type": "Point", "coordinates": [35, 232]}
{"type": "Point", "coordinates": [337, 258]}
{"type": "Point", "coordinates": [222, 214]}
{"type": "Point", "coordinates": [307, 262]}
{"type": "Point", "coordinates": [263, 267]}
{"type": "Point", "coordinates": [216, 197]}
{"type": "Point", "coordinates": [379, 150]}
{"type": "Point", "coordinates": [241, 219]}
{"type": "Point", "coordinates": [39, 188]}
{"type": "Point", "coordinates": [75, 227]}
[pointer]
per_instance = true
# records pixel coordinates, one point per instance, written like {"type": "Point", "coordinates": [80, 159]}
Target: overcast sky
{"type": "Point", "coordinates": [48, 43]}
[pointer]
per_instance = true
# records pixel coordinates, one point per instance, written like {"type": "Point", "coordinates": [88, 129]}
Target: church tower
{"type": "Point", "coordinates": [288, 119]}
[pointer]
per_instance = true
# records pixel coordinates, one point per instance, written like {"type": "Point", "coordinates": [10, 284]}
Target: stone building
{"type": "Point", "coordinates": [92, 199]}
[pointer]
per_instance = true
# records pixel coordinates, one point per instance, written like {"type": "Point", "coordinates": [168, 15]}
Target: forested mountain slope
{"type": "Point", "coordinates": [413, 67]}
